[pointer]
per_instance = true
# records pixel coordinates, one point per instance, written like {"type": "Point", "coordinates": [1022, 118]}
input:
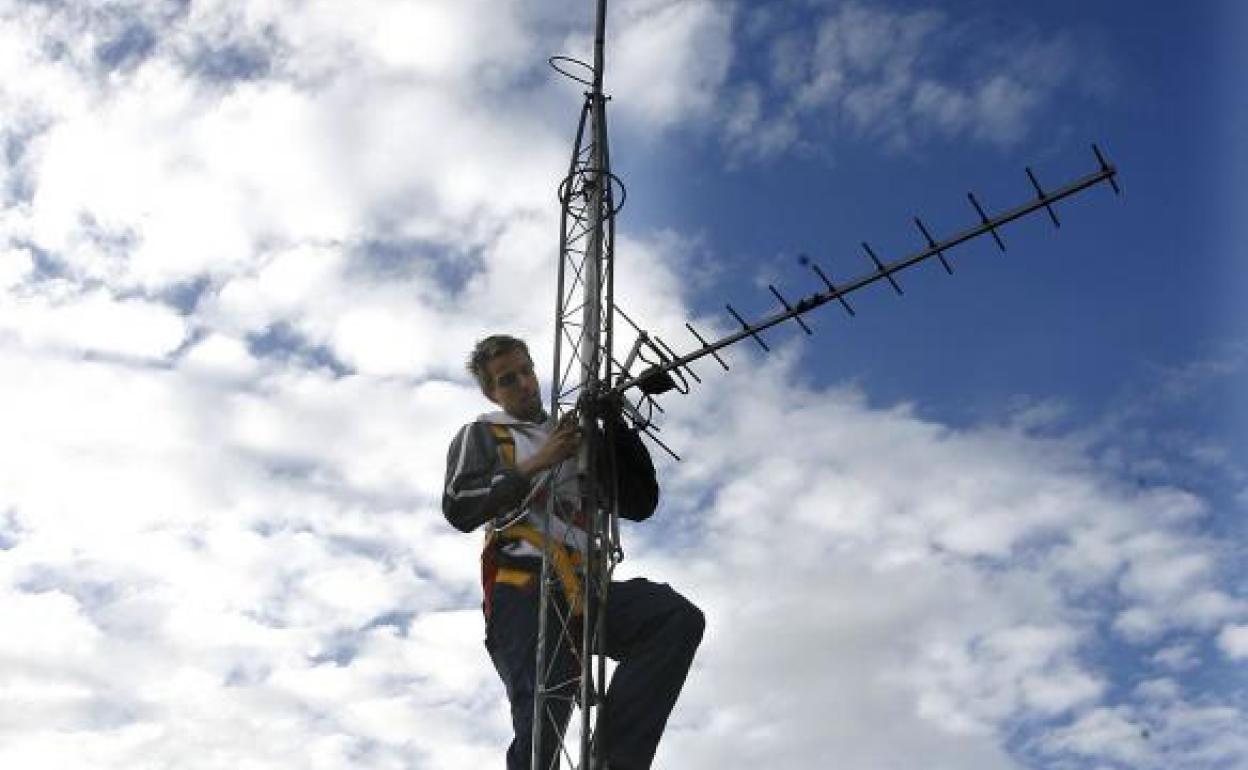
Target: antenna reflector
{"type": "Point", "coordinates": [747, 328]}
{"type": "Point", "coordinates": [1105, 167]}
{"type": "Point", "coordinates": [931, 244]}
{"type": "Point", "coordinates": [828, 282]}
{"type": "Point", "coordinates": [1043, 197]}
{"type": "Point", "coordinates": [987, 222]}
{"type": "Point", "coordinates": [789, 308]}
{"type": "Point", "coordinates": [650, 435]}
{"type": "Point", "coordinates": [671, 355]}
{"type": "Point", "coordinates": [880, 266]}
{"type": "Point", "coordinates": [694, 332]}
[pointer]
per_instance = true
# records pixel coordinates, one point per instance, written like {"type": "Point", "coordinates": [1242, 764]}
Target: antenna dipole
{"type": "Point", "coordinates": [582, 374]}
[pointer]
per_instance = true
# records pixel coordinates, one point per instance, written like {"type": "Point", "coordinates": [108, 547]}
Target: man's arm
{"type": "Point", "coordinates": [478, 486]}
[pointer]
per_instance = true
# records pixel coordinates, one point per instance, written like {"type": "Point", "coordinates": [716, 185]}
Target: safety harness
{"type": "Point", "coordinates": [564, 560]}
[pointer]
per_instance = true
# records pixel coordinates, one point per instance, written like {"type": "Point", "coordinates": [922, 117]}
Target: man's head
{"type": "Point", "coordinates": [504, 371]}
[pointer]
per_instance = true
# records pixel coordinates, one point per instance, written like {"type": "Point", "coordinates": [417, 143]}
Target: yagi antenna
{"type": "Point", "coordinates": [651, 381]}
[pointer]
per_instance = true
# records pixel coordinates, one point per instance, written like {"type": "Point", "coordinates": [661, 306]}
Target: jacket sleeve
{"type": "Point", "coordinates": [478, 486]}
{"type": "Point", "coordinates": [637, 484]}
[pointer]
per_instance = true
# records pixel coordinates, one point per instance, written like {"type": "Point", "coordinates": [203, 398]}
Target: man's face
{"type": "Point", "coordinates": [514, 385]}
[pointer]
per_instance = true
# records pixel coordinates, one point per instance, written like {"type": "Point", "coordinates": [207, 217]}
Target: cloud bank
{"type": "Point", "coordinates": [244, 250]}
{"type": "Point", "coordinates": [902, 77]}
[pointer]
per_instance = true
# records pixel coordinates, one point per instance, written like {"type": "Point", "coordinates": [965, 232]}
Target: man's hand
{"type": "Point", "coordinates": [561, 445]}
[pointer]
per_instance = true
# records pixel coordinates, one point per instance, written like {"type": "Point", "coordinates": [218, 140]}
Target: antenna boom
{"type": "Point", "coordinates": [884, 271]}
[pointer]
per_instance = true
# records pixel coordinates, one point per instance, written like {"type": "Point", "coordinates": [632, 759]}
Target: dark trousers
{"type": "Point", "coordinates": [651, 631]}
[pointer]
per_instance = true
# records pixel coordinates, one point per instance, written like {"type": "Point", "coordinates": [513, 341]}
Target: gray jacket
{"type": "Point", "coordinates": [480, 487]}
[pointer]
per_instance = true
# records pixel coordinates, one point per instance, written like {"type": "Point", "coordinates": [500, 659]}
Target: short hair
{"type": "Point", "coordinates": [488, 349]}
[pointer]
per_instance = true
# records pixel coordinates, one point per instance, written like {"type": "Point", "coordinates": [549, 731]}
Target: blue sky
{"type": "Point", "coordinates": [995, 523]}
{"type": "Point", "coordinates": [1126, 285]}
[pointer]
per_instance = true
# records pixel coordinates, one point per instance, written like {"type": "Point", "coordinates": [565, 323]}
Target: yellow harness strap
{"type": "Point", "coordinates": [564, 560]}
{"type": "Point", "coordinates": [506, 444]}
{"type": "Point", "coordinates": [513, 577]}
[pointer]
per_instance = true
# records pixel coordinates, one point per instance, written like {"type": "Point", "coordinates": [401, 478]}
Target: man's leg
{"type": "Point", "coordinates": [653, 632]}
{"type": "Point", "coordinates": [511, 638]}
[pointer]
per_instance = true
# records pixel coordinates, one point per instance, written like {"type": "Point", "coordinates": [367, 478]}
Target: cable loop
{"type": "Point", "coordinates": [568, 187]}
{"type": "Point", "coordinates": [558, 64]}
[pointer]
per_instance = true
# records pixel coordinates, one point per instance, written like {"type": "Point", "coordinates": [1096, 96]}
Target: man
{"type": "Point", "coordinates": [499, 471]}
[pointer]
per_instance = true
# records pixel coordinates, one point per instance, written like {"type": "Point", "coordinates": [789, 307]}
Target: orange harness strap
{"type": "Point", "coordinates": [564, 560]}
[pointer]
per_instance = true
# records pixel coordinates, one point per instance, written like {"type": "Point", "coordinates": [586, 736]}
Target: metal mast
{"type": "Point", "coordinates": [582, 374]}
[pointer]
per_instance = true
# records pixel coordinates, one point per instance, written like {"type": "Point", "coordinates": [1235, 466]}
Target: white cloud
{"type": "Point", "coordinates": [1159, 689]}
{"type": "Point", "coordinates": [801, 546]}
{"type": "Point", "coordinates": [220, 355]}
{"type": "Point", "coordinates": [15, 265]}
{"type": "Point", "coordinates": [902, 77]}
{"type": "Point", "coordinates": [671, 57]}
{"type": "Point", "coordinates": [1177, 657]}
{"type": "Point", "coordinates": [1233, 641]}
{"type": "Point", "coordinates": [1114, 734]}
{"type": "Point", "coordinates": [166, 607]}
{"type": "Point", "coordinates": [1165, 730]}
{"type": "Point", "coordinates": [55, 627]}
{"type": "Point", "coordinates": [220, 537]}
{"type": "Point", "coordinates": [185, 176]}
{"type": "Point", "coordinates": [92, 322]}
{"type": "Point", "coordinates": [1167, 577]}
